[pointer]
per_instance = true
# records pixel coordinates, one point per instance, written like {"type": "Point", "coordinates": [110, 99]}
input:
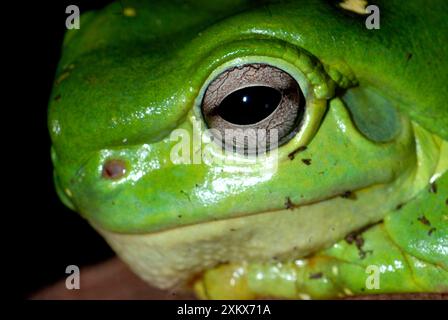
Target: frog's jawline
{"type": "Point", "coordinates": [171, 257]}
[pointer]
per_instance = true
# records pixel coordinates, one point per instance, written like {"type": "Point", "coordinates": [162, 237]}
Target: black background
{"type": "Point", "coordinates": [44, 236]}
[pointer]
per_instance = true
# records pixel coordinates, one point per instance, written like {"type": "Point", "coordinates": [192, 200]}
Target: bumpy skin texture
{"type": "Point", "coordinates": [375, 129]}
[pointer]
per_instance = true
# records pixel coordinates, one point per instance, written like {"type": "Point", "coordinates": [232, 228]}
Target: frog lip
{"type": "Point", "coordinates": [289, 207]}
{"type": "Point", "coordinates": [348, 195]}
{"type": "Point", "coordinates": [287, 234]}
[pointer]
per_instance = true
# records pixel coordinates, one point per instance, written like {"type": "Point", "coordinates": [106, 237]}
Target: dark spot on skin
{"type": "Point", "coordinates": [306, 161]}
{"type": "Point", "coordinates": [349, 195]}
{"type": "Point", "coordinates": [424, 220]}
{"type": "Point", "coordinates": [57, 98]}
{"type": "Point", "coordinates": [408, 56]}
{"type": "Point", "coordinates": [430, 231]}
{"type": "Point", "coordinates": [275, 258]}
{"type": "Point", "coordinates": [399, 206]}
{"type": "Point", "coordinates": [288, 204]}
{"type": "Point", "coordinates": [363, 253]}
{"type": "Point", "coordinates": [316, 275]}
{"type": "Point", "coordinates": [350, 238]}
{"type": "Point", "coordinates": [446, 201]}
{"type": "Point", "coordinates": [356, 238]}
{"type": "Point", "coordinates": [232, 229]}
{"type": "Point", "coordinates": [433, 187]}
{"type": "Point", "coordinates": [293, 154]}
{"type": "Point", "coordinates": [114, 169]}
{"type": "Point", "coordinates": [186, 194]}
{"type": "Point", "coordinates": [359, 241]}
{"type": "Point", "coordinates": [179, 216]}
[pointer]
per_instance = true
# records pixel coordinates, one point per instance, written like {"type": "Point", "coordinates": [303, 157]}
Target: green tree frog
{"type": "Point", "coordinates": [352, 199]}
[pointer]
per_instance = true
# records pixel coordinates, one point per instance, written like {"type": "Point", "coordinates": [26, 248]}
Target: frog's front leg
{"type": "Point", "coordinates": [407, 252]}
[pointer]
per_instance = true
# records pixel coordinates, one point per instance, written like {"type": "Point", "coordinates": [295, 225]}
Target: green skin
{"type": "Point", "coordinates": [377, 126]}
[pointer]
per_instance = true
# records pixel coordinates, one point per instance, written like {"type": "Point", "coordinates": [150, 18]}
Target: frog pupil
{"type": "Point", "coordinates": [249, 105]}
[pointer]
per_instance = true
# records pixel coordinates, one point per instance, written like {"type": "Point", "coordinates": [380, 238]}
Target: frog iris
{"type": "Point", "coordinates": [249, 102]}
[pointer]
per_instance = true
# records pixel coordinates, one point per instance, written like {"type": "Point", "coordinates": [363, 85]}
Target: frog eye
{"type": "Point", "coordinates": [250, 101]}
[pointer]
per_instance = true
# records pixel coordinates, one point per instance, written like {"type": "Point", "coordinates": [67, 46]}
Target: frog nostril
{"type": "Point", "coordinates": [114, 169]}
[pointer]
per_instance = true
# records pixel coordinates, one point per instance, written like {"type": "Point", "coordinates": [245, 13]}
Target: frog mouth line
{"type": "Point", "coordinates": [348, 195]}
{"type": "Point", "coordinates": [286, 234]}
{"type": "Point", "coordinates": [289, 205]}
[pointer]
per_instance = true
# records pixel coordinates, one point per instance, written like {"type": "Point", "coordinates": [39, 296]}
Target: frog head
{"type": "Point", "coordinates": [354, 120]}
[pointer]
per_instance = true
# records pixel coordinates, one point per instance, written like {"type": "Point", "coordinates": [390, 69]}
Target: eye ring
{"type": "Point", "coordinates": [274, 101]}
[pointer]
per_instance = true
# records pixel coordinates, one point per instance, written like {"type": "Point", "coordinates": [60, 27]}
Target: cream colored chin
{"type": "Point", "coordinates": [170, 258]}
